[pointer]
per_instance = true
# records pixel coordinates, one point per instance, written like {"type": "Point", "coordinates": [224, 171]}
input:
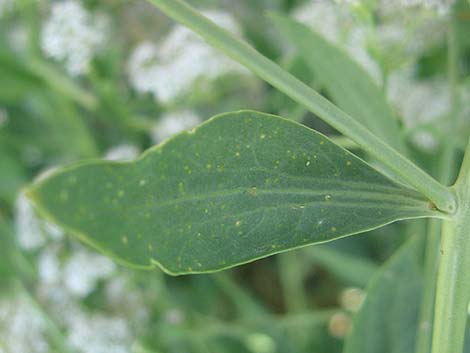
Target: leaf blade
{"type": "Point", "coordinates": [388, 319]}
{"type": "Point", "coordinates": [240, 187]}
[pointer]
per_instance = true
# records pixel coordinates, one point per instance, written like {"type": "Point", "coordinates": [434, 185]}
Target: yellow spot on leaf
{"type": "Point", "coordinates": [252, 191]}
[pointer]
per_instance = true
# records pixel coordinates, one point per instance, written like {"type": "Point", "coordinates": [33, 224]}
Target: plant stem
{"type": "Point", "coordinates": [431, 254]}
{"type": "Point", "coordinates": [445, 170]}
{"type": "Point", "coordinates": [246, 305]}
{"type": "Point", "coordinates": [453, 284]}
{"type": "Point", "coordinates": [291, 272]}
{"type": "Point", "coordinates": [272, 73]}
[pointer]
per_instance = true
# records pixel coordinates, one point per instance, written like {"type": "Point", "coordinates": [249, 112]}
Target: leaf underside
{"type": "Point", "coordinates": [240, 187]}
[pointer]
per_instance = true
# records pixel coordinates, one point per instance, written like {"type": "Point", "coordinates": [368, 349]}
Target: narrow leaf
{"type": "Point", "coordinates": [388, 319]}
{"type": "Point", "coordinates": [350, 86]}
{"type": "Point", "coordinates": [350, 268]}
{"type": "Point", "coordinates": [240, 187]}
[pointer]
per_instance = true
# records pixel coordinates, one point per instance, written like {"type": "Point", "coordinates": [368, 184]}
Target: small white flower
{"type": "Point", "coordinates": [123, 152]}
{"type": "Point", "coordinates": [83, 270]}
{"type": "Point", "coordinates": [172, 123]}
{"type": "Point", "coordinates": [440, 7]}
{"type": "Point", "coordinates": [335, 23]}
{"type": "Point", "coordinates": [128, 300]}
{"type": "Point", "coordinates": [22, 328]}
{"type": "Point", "coordinates": [28, 225]}
{"type": "Point", "coordinates": [426, 141]}
{"type": "Point", "coordinates": [99, 334]}
{"type": "Point", "coordinates": [49, 266]}
{"type": "Point", "coordinates": [170, 69]}
{"type": "Point", "coordinates": [53, 231]}
{"type": "Point", "coordinates": [418, 101]}
{"type": "Point", "coordinates": [73, 35]}
{"type": "Point", "coordinates": [325, 17]}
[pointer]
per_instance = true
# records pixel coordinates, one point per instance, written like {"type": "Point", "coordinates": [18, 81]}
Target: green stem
{"type": "Point", "coordinates": [245, 304]}
{"type": "Point", "coordinates": [269, 71]}
{"type": "Point", "coordinates": [424, 334]}
{"type": "Point", "coordinates": [446, 167]}
{"type": "Point", "coordinates": [291, 272]}
{"type": "Point", "coordinates": [61, 83]}
{"type": "Point", "coordinates": [453, 284]}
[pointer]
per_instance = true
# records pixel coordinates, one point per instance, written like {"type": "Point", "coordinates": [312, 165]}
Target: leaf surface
{"type": "Point", "coordinates": [388, 319]}
{"type": "Point", "coordinates": [240, 187]}
{"type": "Point", "coordinates": [350, 86]}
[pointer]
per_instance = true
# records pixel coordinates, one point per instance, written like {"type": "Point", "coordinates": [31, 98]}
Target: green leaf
{"type": "Point", "coordinates": [351, 269]}
{"type": "Point", "coordinates": [240, 187]}
{"type": "Point", "coordinates": [388, 319]}
{"type": "Point", "coordinates": [7, 250]}
{"type": "Point", "coordinates": [350, 86]}
{"type": "Point", "coordinates": [179, 10]}
{"type": "Point", "coordinates": [12, 177]}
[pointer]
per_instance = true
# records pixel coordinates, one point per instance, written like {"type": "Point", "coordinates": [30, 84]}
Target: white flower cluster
{"type": "Point", "coordinates": [335, 22]}
{"type": "Point", "coordinates": [173, 122]}
{"type": "Point", "coordinates": [99, 334]}
{"type": "Point", "coordinates": [83, 270]}
{"type": "Point", "coordinates": [419, 102]}
{"type": "Point", "coordinates": [73, 35]}
{"type": "Point", "coordinates": [325, 17]}
{"type": "Point", "coordinates": [170, 69]}
{"type": "Point", "coordinates": [29, 231]}
{"type": "Point", "coordinates": [22, 329]}
{"type": "Point", "coordinates": [123, 297]}
{"type": "Point", "coordinates": [412, 32]}
{"type": "Point", "coordinates": [441, 7]}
